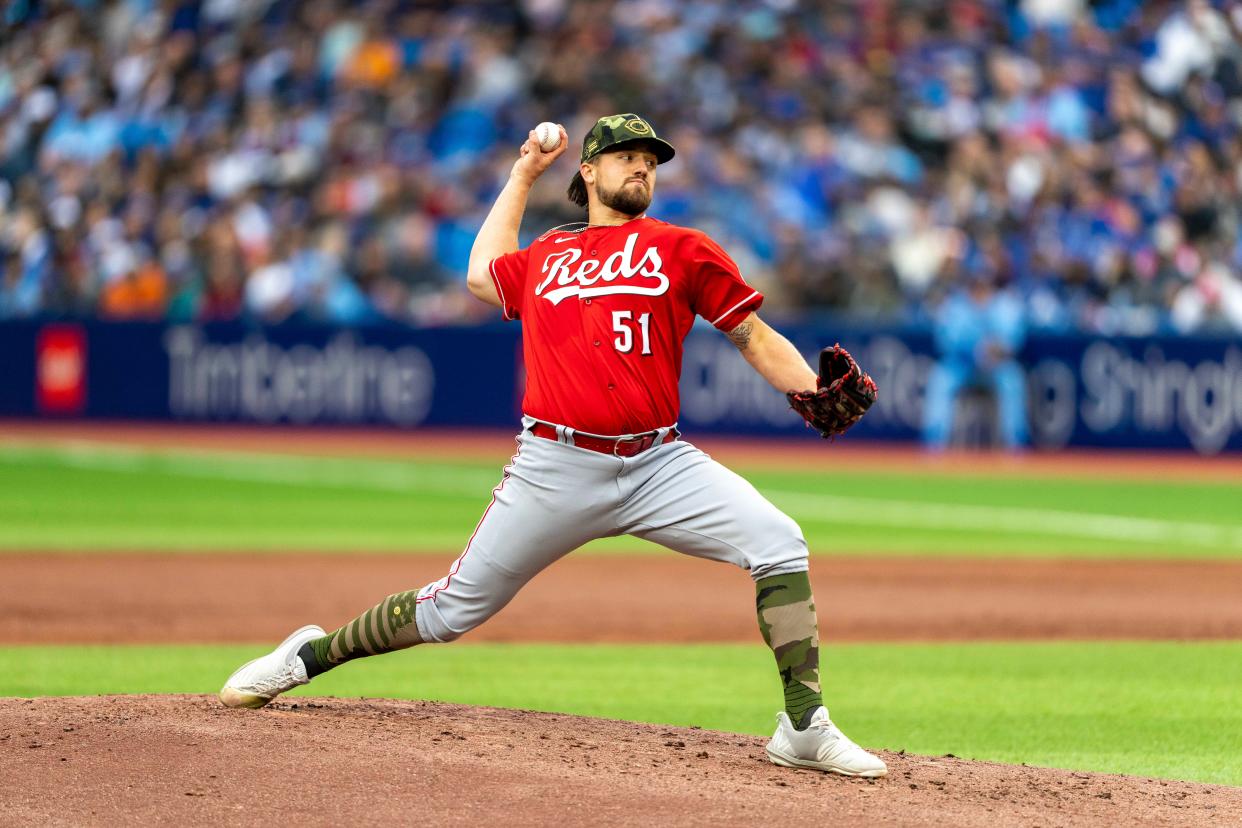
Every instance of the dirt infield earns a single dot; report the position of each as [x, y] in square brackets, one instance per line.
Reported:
[184, 760]
[605, 598]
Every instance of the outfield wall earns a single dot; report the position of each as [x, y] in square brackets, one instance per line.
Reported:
[1175, 393]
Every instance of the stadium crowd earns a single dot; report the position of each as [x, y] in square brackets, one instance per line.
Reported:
[273, 159]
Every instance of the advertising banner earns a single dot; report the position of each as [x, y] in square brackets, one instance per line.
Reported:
[1169, 393]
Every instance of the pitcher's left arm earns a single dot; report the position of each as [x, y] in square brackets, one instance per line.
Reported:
[830, 401]
[772, 355]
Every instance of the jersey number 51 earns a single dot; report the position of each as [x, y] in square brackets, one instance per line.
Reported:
[623, 324]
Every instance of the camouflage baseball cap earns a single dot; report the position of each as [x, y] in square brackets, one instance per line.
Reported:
[621, 129]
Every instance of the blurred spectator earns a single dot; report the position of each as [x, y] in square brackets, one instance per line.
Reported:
[331, 160]
[979, 330]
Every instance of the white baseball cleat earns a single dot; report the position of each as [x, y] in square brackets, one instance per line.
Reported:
[821, 746]
[257, 682]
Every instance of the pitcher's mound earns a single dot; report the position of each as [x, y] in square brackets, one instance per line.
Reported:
[184, 760]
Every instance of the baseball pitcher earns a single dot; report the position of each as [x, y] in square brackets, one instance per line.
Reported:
[605, 307]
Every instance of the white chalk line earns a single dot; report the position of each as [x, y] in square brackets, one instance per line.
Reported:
[1007, 519]
[409, 478]
[287, 470]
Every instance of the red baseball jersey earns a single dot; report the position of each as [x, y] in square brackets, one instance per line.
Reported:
[605, 311]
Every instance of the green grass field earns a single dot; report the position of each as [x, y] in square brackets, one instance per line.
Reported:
[1150, 709]
[1159, 709]
[88, 497]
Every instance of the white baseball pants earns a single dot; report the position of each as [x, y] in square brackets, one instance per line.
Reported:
[555, 497]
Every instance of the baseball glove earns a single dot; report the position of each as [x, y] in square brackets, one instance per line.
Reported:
[844, 394]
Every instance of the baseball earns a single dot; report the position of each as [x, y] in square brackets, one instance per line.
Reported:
[549, 135]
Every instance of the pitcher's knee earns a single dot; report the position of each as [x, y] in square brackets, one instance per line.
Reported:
[783, 552]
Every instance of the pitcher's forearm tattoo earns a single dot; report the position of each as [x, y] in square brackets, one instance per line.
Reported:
[741, 335]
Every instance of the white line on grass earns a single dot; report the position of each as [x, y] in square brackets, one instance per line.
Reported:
[1006, 519]
[392, 476]
[287, 470]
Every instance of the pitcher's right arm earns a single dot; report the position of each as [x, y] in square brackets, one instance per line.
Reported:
[499, 233]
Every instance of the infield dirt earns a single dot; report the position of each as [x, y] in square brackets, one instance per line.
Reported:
[203, 598]
[185, 760]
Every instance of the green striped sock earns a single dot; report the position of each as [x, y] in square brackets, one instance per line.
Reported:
[386, 627]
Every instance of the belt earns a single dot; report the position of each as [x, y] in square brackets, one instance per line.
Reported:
[619, 447]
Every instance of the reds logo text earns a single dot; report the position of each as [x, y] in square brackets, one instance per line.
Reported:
[591, 277]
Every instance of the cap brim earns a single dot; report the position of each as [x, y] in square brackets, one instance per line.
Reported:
[662, 149]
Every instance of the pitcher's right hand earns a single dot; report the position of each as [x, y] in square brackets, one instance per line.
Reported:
[534, 161]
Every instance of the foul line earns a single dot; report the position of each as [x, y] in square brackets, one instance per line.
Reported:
[286, 470]
[1006, 519]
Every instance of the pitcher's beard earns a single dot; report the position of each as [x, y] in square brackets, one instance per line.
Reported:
[626, 201]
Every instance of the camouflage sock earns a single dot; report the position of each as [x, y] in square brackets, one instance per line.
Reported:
[387, 626]
[787, 620]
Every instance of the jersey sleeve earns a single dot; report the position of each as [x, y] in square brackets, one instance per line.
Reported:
[509, 275]
[721, 296]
